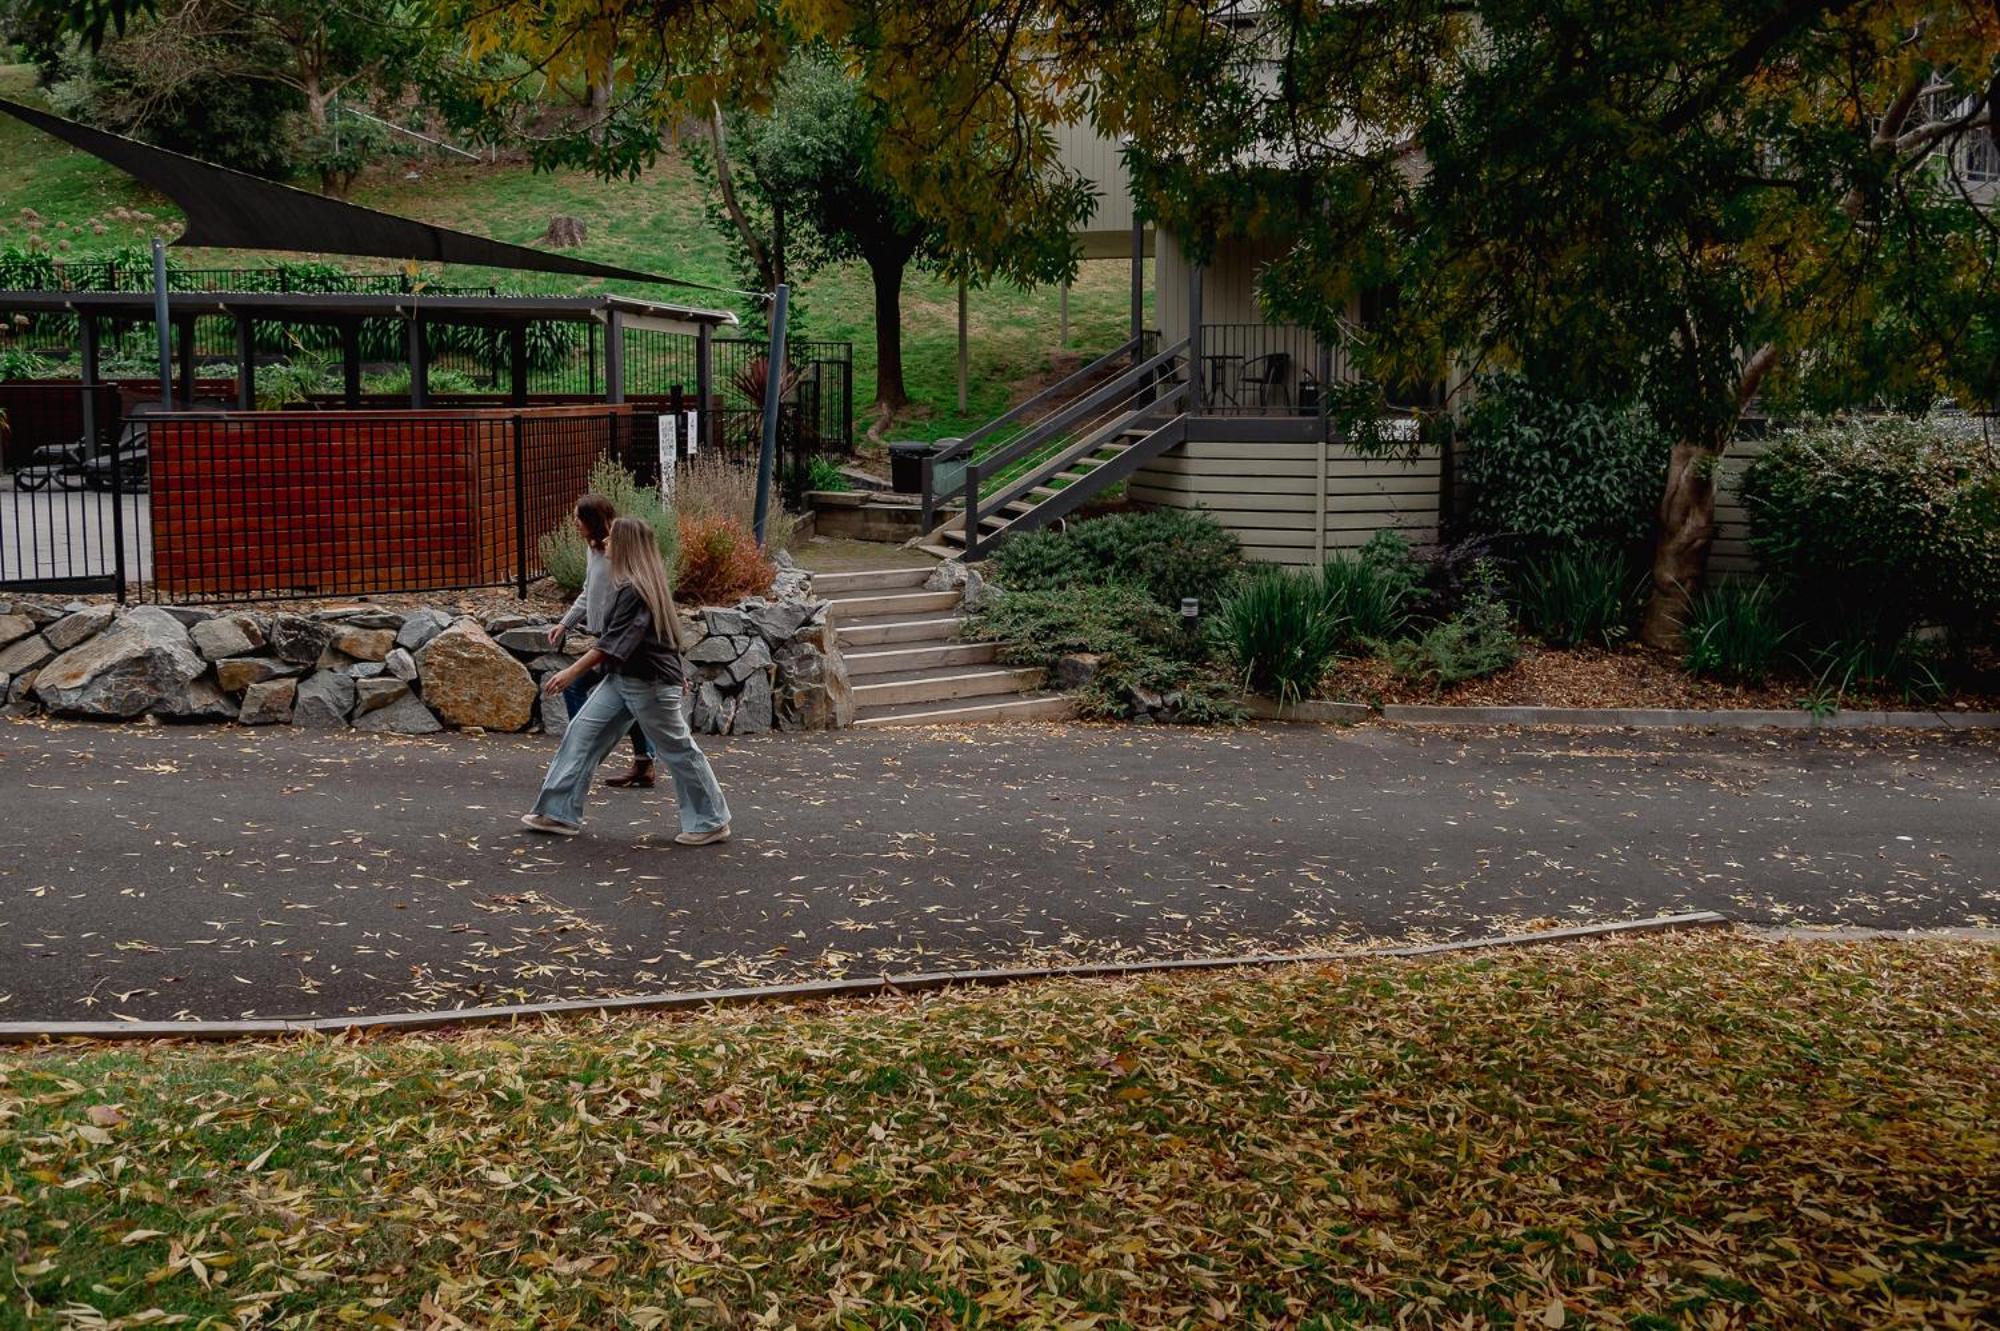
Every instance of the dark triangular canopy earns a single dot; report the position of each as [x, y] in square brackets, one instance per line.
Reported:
[232, 210]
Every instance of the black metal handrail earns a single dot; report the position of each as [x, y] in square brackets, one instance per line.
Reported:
[1018, 412]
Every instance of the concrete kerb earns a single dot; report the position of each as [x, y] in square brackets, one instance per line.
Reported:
[28, 1032]
[1641, 718]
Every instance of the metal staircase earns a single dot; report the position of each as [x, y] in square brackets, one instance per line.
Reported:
[1058, 450]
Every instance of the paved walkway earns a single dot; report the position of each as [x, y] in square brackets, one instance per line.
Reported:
[219, 872]
[57, 533]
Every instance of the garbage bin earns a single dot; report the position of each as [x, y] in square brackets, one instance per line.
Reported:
[906, 465]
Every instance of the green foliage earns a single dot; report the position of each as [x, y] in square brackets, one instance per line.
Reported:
[279, 386]
[1170, 554]
[1281, 632]
[1476, 641]
[824, 474]
[1736, 631]
[20, 363]
[1139, 644]
[564, 552]
[1868, 661]
[1372, 594]
[1571, 596]
[1547, 470]
[1900, 517]
[443, 381]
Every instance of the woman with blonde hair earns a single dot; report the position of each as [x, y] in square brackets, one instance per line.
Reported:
[640, 654]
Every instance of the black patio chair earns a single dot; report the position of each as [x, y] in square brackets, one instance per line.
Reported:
[1271, 376]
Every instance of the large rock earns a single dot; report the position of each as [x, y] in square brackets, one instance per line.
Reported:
[756, 660]
[526, 640]
[20, 657]
[810, 687]
[14, 627]
[421, 627]
[39, 611]
[240, 672]
[471, 680]
[376, 619]
[324, 700]
[372, 695]
[299, 640]
[189, 615]
[753, 707]
[405, 716]
[73, 630]
[203, 702]
[779, 620]
[708, 713]
[363, 644]
[730, 623]
[718, 650]
[218, 639]
[142, 663]
[401, 664]
[255, 627]
[268, 703]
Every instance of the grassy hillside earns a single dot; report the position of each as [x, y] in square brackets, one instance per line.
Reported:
[655, 224]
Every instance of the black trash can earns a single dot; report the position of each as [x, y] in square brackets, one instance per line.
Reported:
[906, 465]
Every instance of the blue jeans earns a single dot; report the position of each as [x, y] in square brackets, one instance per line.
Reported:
[593, 733]
[573, 700]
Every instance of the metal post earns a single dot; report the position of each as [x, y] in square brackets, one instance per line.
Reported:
[1195, 385]
[350, 363]
[1138, 290]
[517, 356]
[774, 375]
[246, 363]
[164, 324]
[704, 381]
[420, 363]
[614, 356]
[520, 514]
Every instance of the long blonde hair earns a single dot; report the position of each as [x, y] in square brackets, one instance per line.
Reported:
[635, 561]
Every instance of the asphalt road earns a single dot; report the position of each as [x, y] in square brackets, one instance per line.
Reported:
[160, 873]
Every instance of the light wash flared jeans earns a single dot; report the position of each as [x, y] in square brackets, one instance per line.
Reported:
[594, 731]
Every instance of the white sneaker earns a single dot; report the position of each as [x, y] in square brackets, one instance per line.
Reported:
[541, 822]
[707, 838]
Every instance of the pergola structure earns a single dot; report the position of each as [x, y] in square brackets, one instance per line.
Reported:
[510, 315]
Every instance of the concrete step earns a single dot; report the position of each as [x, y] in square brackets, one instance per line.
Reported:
[887, 632]
[902, 605]
[927, 656]
[862, 581]
[943, 686]
[1033, 707]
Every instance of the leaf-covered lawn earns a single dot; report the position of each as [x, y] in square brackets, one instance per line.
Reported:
[1697, 1131]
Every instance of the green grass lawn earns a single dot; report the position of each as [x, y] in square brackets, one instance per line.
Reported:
[1696, 1131]
[655, 224]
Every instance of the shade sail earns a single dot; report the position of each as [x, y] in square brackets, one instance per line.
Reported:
[229, 209]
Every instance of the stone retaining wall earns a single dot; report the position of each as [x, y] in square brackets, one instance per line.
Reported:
[770, 663]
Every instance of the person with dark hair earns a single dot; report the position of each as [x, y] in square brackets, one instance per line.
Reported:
[592, 608]
[640, 653]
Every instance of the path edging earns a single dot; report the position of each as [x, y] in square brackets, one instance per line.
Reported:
[1438, 714]
[28, 1032]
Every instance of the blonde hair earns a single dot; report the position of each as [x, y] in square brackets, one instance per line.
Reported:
[635, 561]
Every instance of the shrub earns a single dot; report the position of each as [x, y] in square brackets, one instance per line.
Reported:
[1547, 470]
[720, 562]
[563, 551]
[19, 363]
[824, 474]
[1868, 661]
[1138, 643]
[1281, 632]
[1170, 554]
[711, 486]
[1576, 595]
[1902, 517]
[280, 386]
[1735, 632]
[1372, 592]
[1476, 641]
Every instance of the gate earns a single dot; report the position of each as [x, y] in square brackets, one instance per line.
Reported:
[73, 517]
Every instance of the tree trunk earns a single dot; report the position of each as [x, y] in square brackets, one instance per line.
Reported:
[888, 274]
[1680, 555]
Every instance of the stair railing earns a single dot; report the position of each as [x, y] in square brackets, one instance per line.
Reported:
[1133, 392]
[949, 460]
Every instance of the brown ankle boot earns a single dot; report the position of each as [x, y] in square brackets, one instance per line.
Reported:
[639, 778]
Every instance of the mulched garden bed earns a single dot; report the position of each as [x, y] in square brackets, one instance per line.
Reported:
[1627, 676]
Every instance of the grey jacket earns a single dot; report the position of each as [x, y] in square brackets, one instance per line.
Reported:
[593, 604]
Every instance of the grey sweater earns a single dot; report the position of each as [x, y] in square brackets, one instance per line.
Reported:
[593, 603]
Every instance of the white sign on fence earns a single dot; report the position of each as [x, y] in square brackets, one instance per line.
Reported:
[669, 455]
